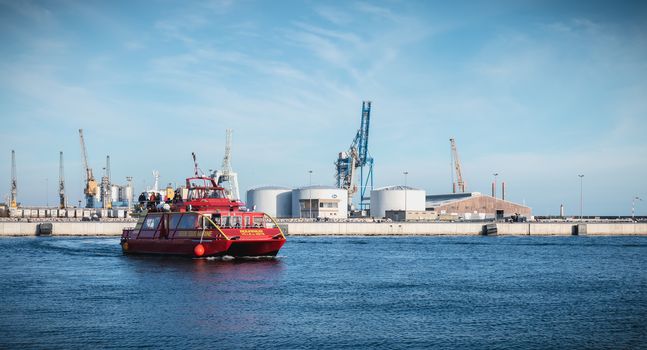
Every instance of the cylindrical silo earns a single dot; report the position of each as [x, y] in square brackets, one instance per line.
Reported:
[114, 193]
[320, 202]
[273, 200]
[393, 198]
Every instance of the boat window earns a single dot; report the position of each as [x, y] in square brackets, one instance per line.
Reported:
[247, 220]
[224, 221]
[175, 218]
[209, 224]
[196, 193]
[216, 219]
[151, 222]
[258, 221]
[188, 222]
[139, 224]
[216, 194]
[236, 221]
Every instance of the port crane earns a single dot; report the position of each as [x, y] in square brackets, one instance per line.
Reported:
[357, 157]
[61, 183]
[14, 182]
[106, 195]
[456, 164]
[91, 187]
[227, 173]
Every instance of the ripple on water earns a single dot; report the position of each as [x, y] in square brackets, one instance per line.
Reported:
[331, 293]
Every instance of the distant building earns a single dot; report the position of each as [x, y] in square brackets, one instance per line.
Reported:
[396, 198]
[320, 202]
[275, 201]
[474, 206]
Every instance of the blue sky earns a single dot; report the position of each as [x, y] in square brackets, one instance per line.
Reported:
[537, 91]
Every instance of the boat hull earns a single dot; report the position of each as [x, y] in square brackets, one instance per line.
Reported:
[211, 248]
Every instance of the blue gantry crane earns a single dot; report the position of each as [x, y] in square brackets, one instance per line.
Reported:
[357, 157]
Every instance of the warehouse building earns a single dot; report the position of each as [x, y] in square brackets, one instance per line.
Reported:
[474, 206]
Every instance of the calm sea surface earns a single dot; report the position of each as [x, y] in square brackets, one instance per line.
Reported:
[334, 293]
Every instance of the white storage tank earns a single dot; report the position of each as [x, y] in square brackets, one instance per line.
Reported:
[274, 200]
[393, 198]
[114, 193]
[320, 202]
[125, 193]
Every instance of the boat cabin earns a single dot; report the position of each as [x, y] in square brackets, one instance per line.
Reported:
[191, 224]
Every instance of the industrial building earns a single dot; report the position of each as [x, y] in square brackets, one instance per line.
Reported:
[275, 201]
[396, 198]
[474, 206]
[320, 202]
[305, 202]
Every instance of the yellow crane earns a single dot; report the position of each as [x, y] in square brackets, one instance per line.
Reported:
[457, 167]
[91, 187]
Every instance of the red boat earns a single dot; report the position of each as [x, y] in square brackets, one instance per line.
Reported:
[202, 223]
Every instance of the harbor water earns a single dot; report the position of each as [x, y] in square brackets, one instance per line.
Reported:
[329, 293]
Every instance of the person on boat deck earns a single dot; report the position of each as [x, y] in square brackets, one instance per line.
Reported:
[151, 200]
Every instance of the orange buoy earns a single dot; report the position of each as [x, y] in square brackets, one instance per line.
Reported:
[198, 250]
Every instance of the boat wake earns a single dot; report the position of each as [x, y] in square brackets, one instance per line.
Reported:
[243, 258]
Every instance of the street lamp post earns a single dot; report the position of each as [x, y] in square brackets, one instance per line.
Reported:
[405, 194]
[581, 196]
[310, 194]
[633, 207]
[47, 191]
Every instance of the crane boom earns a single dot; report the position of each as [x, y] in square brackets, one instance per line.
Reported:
[356, 157]
[226, 160]
[84, 157]
[108, 168]
[91, 189]
[106, 196]
[227, 173]
[61, 183]
[457, 166]
[14, 181]
[362, 133]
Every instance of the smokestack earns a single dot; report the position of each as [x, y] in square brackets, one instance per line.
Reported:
[493, 190]
[503, 190]
[454, 187]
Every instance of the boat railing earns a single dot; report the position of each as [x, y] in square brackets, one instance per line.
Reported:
[276, 224]
[206, 219]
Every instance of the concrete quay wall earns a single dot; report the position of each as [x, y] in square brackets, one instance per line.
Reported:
[536, 228]
[380, 229]
[65, 228]
[354, 229]
[460, 228]
[605, 229]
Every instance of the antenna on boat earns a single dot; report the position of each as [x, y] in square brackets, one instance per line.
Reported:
[195, 164]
